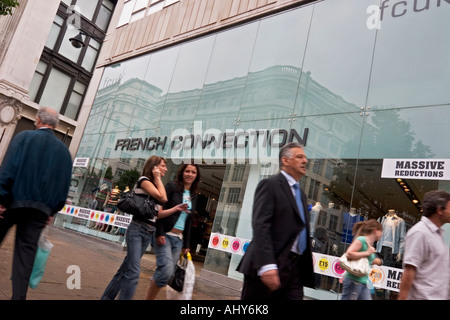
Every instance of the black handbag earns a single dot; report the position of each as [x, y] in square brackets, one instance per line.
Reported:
[176, 282]
[138, 203]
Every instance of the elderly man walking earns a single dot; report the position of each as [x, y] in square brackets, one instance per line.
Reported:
[34, 181]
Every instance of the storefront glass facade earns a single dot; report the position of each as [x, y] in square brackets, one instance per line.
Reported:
[357, 86]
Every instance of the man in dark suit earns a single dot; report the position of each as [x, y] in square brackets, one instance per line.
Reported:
[34, 182]
[278, 262]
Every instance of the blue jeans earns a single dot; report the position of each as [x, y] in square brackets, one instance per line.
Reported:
[355, 290]
[166, 257]
[138, 236]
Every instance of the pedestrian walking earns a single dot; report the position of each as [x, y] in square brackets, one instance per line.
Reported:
[366, 233]
[426, 272]
[139, 234]
[173, 233]
[34, 182]
[278, 262]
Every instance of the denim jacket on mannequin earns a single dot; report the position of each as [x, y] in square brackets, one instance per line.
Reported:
[398, 234]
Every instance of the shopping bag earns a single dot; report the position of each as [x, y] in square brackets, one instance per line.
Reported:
[42, 254]
[186, 275]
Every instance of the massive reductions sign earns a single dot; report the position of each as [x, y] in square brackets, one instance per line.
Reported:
[215, 146]
[425, 169]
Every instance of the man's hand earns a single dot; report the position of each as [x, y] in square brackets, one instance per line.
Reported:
[271, 279]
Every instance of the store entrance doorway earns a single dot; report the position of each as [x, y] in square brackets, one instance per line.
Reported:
[209, 190]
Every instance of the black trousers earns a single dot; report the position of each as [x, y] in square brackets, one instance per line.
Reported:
[29, 224]
[291, 283]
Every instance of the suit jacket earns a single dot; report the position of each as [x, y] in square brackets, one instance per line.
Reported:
[276, 224]
[175, 197]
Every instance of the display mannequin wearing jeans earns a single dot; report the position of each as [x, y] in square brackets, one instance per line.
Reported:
[139, 234]
[173, 233]
[367, 232]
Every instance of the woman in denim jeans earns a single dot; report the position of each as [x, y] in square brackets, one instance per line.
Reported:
[367, 232]
[139, 234]
[173, 232]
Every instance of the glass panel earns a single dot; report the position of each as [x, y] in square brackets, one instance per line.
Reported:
[103, 17]
[126, 13]
[54, 32]
[226, 77]
[411, 64]
[125, 114]
[79, 87]
[337, 59]
[186, 86]
[75, 100]
[55, 90]
[34, 86]
[108, 4]
[37, 79]
[155, 7]
[140, 4]
[73, 105]
[137, 15]
[407, 133]
[275, 69]
[90, 58]
[99, 116]
[155, 91]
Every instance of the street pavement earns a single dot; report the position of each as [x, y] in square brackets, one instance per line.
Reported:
[98, 261]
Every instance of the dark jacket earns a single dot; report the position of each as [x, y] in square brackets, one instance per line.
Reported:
[175, 197]
[276, 223]
[36, 172]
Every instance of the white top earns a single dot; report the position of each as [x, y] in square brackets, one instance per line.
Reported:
[426, 250]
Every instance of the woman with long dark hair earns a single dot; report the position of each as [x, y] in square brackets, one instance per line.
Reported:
[173, 232]
[139, 233]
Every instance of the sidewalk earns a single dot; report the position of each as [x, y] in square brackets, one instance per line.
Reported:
[98, 261]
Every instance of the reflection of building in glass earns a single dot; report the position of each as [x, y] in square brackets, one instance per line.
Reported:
[132, 110]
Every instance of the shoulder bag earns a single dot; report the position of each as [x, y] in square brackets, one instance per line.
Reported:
[358, 268]
[139, 203]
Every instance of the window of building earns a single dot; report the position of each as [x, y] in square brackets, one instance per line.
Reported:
[75, 100]
[91, 55]
[104, 15]
[134, 10]
[63, 72]
[37, 79]
[57, 85]
[57, 25]
[233, 195]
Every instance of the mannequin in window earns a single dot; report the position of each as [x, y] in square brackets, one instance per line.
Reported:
[349, 220]
[391, 245]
